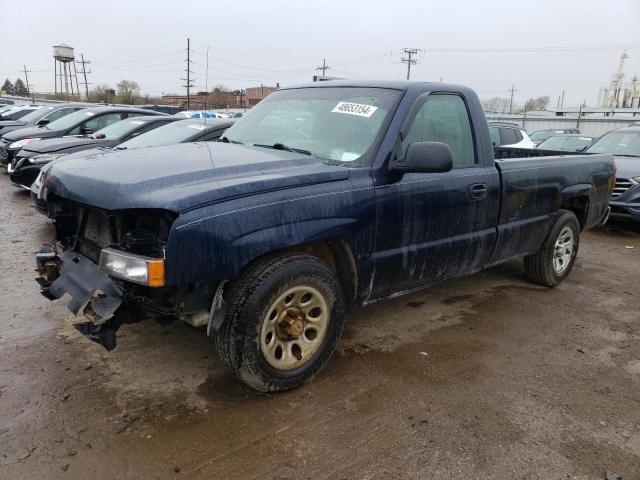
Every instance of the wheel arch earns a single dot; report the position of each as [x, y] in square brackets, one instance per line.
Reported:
[576, 200]
[335, 252]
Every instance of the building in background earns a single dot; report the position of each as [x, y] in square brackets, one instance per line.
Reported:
[221, 99]
[621, 94]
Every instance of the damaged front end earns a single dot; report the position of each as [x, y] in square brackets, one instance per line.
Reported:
[95, 298]
[110, 263]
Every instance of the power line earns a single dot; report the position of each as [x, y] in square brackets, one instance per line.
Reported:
[513, 89]
[409, 60]
[26, 78]
[324, 66]
[189, 85]
[84, 74]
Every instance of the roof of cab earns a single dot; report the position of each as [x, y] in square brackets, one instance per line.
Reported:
[392, 84]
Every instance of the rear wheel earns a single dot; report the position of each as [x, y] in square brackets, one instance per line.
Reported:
[553, 261]
[285, 316]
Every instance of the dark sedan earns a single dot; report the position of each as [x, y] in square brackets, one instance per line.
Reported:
[28, 162]
[181, 131]
[82, 122]
[16, 112]
[41, 116]
[624, 144]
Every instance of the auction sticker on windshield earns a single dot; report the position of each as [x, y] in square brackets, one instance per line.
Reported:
[358, 109]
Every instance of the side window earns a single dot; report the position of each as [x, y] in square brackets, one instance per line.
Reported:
[98, 122]
[444, 118]
[145, 128]
[59, 114]
[518, 135]
[508, 136]
[214, 135]
[495, 136]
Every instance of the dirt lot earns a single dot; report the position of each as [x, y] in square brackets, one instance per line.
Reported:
[484, 377]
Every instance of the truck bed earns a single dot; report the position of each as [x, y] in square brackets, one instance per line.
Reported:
[534, 188]
[502, 153]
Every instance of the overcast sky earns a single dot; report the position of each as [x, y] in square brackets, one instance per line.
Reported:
[252, 42]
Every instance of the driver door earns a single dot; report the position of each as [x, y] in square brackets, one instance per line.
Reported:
[435, 226]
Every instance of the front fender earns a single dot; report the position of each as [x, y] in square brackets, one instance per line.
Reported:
[216, 242]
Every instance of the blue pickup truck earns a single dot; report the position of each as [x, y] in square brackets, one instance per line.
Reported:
[321, 199]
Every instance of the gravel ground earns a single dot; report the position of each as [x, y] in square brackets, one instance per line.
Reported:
[484, 377]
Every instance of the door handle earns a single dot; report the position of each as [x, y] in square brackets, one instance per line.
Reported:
[479, 191]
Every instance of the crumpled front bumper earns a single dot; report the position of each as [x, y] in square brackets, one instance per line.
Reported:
[95, 298]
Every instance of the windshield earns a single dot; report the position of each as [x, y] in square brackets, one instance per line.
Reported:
[176, 132]
[338, 124]
[37, 114]
[542, 134]
[71, 120]
[618, 143]
[118, 130]
[565, 143]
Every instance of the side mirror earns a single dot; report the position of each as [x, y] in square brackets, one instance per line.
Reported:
[42, 122]
[426, 157]
[86, 131]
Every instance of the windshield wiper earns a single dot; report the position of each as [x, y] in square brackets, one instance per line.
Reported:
[226, 139]
[282, 146]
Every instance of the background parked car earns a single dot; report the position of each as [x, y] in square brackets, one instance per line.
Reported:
[26, 165]
[509, 135]
[82, 122]
[566, 143]
[203, 114]
[541, 135]
[14, 113]
[624, 144]
[41, 116]
[181, 131]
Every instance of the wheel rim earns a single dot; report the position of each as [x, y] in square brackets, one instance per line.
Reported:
[294, 328]
[563, 250]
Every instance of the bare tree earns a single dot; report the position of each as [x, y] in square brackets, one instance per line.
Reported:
[539, 103]
[102, 93]
[128, 91]
[496, 105]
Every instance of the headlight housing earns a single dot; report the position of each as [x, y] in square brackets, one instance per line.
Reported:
[46, 158]
[22, 143]
[134, 268]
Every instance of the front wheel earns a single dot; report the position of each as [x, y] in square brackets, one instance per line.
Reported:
[553, 261]
[285, 316]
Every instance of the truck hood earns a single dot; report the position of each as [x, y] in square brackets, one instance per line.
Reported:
[627, 167]
[184, 176]
[31, 132]
[53, 145]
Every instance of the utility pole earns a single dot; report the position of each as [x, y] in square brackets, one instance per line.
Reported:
[189, 72]
[562, 100]
[513, 89]
[324, 66]
[409, 60]
[26, 79]
[84, 73]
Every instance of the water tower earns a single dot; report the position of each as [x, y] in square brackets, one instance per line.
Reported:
[63, 61]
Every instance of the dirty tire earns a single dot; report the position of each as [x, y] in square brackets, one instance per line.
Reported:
[539, 267]
[249, 300]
